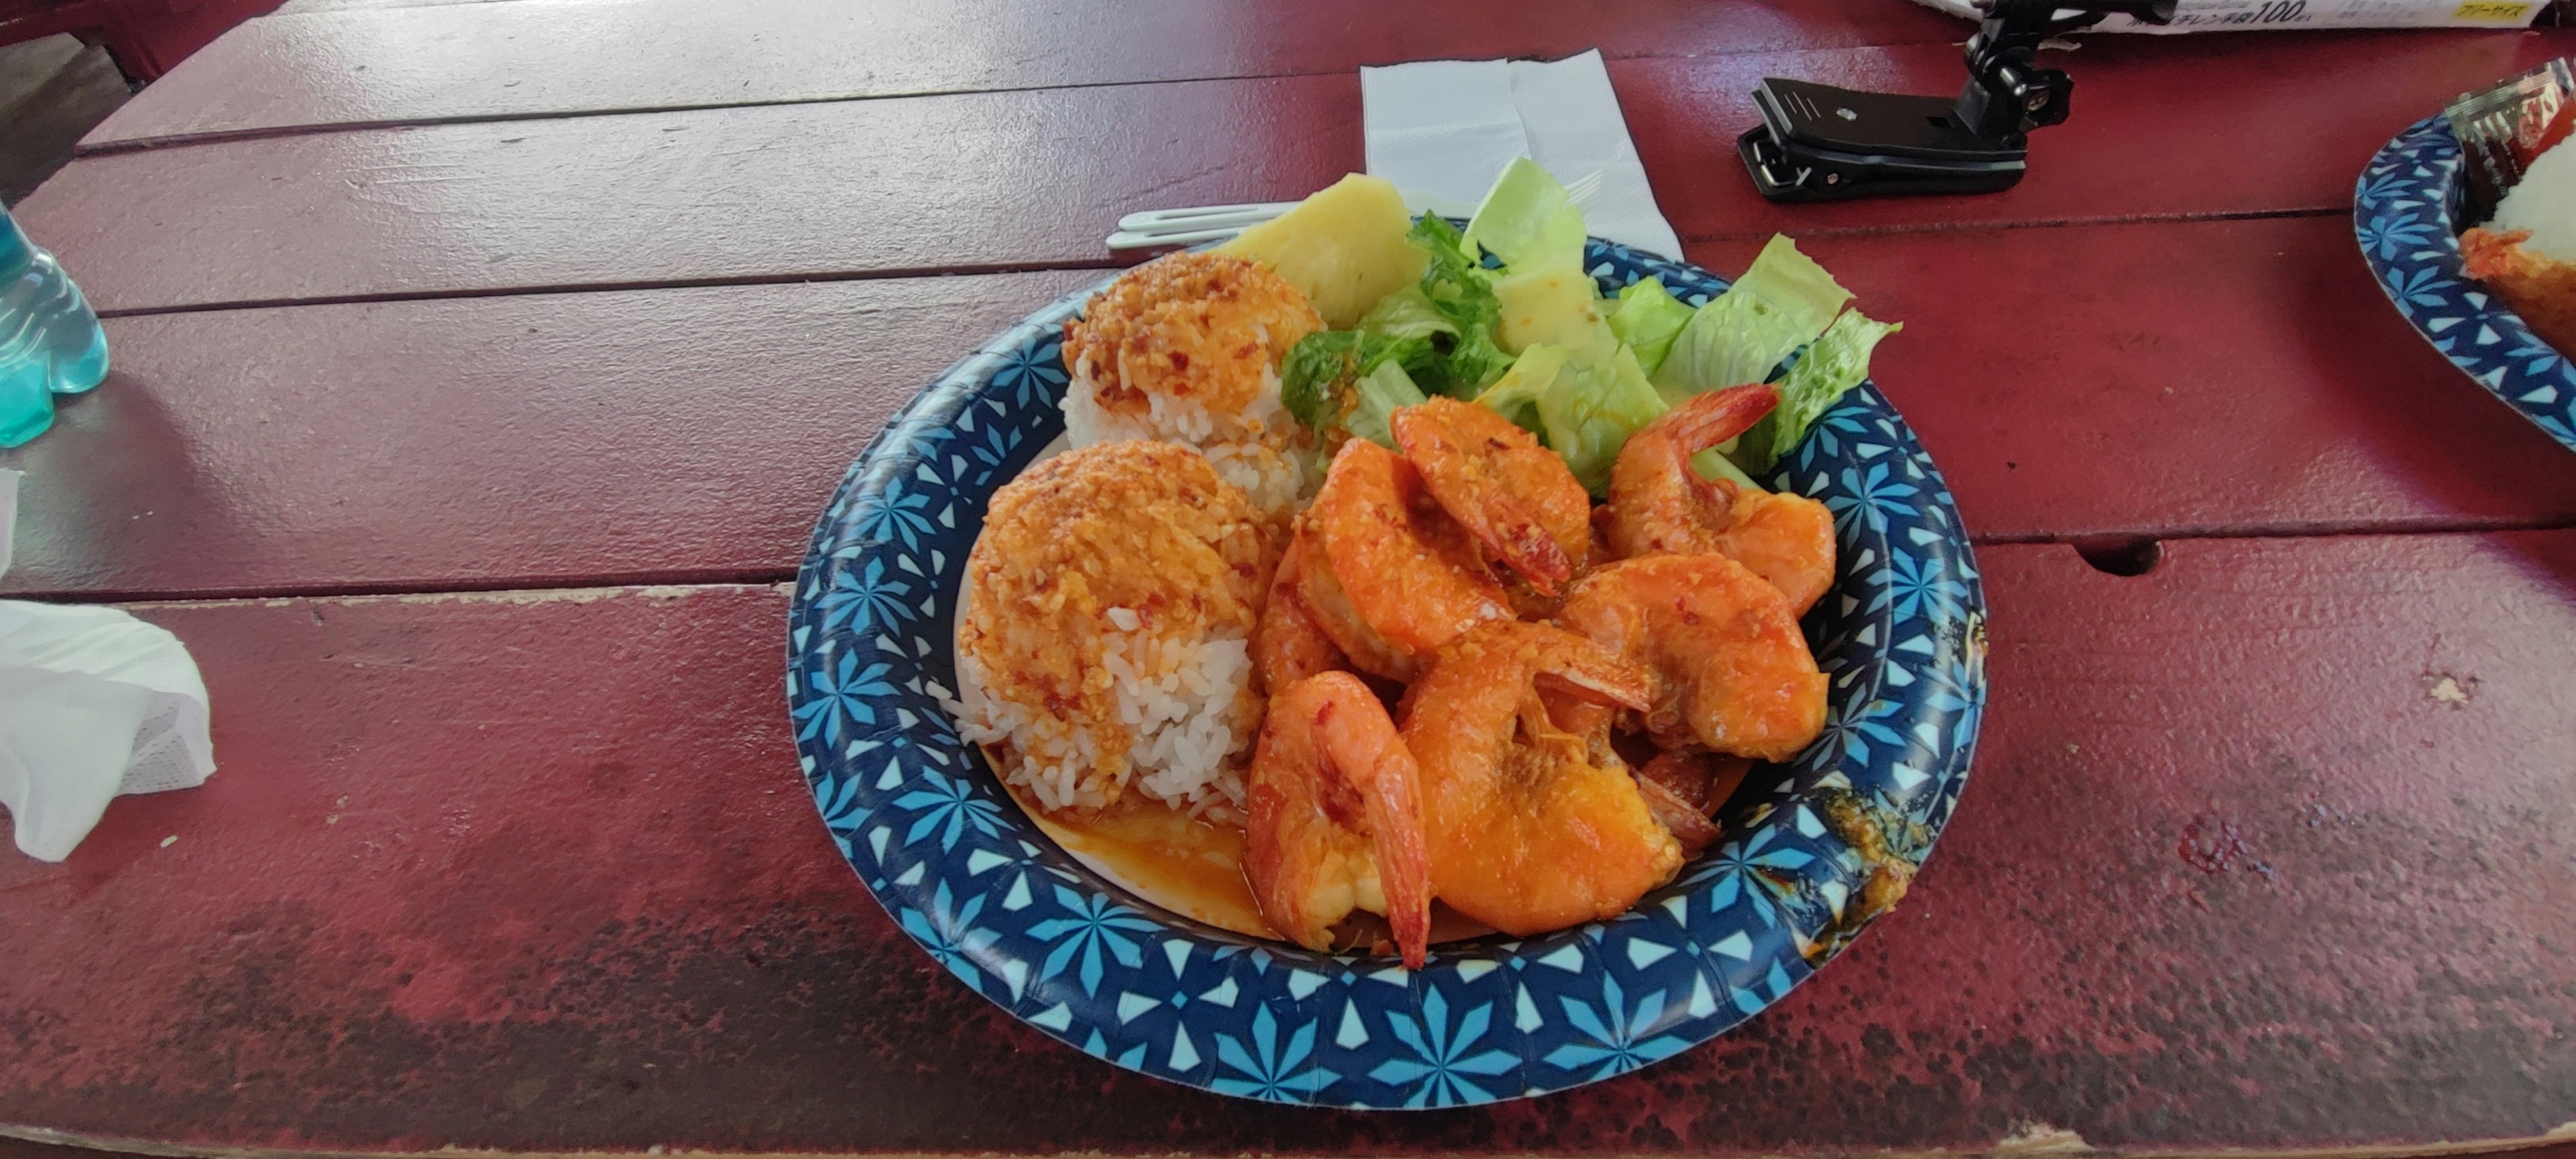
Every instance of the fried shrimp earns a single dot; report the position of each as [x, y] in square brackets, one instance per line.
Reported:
[1682, 787]
[1384, 572]
[1288, 646]
[1514, 496]
[1658, 504]
[1336, 817]
[1529, 829]
[1731, 670]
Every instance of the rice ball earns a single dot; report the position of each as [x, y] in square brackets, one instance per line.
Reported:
[1187, 348]
[1105, 645]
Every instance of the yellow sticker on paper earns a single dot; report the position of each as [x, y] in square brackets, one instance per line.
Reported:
[2490, 10]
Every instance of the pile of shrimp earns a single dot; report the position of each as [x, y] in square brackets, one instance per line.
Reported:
[1574, 689]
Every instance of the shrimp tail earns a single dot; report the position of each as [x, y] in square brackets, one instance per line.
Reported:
[1712, 418]
[1403, 859]
[1590, 674]
[1514, 535]
[1365, 750]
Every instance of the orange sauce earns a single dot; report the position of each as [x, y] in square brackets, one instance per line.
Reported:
[1183, 864]
[1195, 869]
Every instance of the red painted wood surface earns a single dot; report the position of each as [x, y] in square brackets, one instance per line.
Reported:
[2179, 378]
[2168, 127]
[145, 37]
[452, 62]
[668, 436]
[2270, 847]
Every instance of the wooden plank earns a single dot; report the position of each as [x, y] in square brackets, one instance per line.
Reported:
[297, 7]
[2221, 377]
[2175, 127]
[2161, 379]
[1017, 178]
[534, 871]
[458, 62]
[671, 435]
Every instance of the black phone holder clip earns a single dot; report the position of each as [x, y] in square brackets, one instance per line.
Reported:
[1821, 143]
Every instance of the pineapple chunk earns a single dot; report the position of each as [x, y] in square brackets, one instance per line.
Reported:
[1344, 246]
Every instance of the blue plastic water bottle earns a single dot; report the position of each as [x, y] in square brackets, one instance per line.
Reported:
[50, 340]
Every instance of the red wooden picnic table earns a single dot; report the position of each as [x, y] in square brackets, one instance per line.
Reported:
[481, 368]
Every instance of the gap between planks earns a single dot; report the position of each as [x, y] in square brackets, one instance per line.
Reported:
[678, 585]
[267, 132]
[1108, 263]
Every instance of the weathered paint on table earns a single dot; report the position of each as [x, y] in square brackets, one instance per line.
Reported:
[2141, 371]
[442, 62]
[845, 189]
[2216, 887]
[2269, 847]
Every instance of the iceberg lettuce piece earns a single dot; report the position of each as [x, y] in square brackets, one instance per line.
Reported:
[1783, 301]
[1648, 318]
[1556, 305]
[1374, 399]
[1526, 220]
[1582, 402]
[1408, 313]
[1831, 366]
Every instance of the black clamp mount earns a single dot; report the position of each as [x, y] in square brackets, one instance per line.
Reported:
[1821, 143]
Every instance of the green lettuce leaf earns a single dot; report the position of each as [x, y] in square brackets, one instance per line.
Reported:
[1374, 399]
[1558, 305]
[1408, 313]
[1525, 220]
[1648, 319]
[1582, 402]
[1515, 395]
[1463, 292]
[1322, 370]
[1783, 301]
[1832, 365]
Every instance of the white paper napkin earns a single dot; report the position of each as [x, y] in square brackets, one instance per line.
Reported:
[93, 703]
[1442, 130]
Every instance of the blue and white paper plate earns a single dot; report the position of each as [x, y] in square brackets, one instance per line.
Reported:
[949, 853]
[2405, 213]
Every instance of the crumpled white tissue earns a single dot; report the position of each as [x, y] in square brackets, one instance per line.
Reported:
[93, 703]
[1442, 130]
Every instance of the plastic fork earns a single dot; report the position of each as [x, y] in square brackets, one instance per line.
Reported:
[1160, 227]
[1155, 228]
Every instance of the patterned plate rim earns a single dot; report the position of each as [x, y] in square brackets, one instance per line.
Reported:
[927, 828]
[2404, 210]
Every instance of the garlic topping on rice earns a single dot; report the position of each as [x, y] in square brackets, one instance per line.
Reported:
[1106, 638]
[1187, 348]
